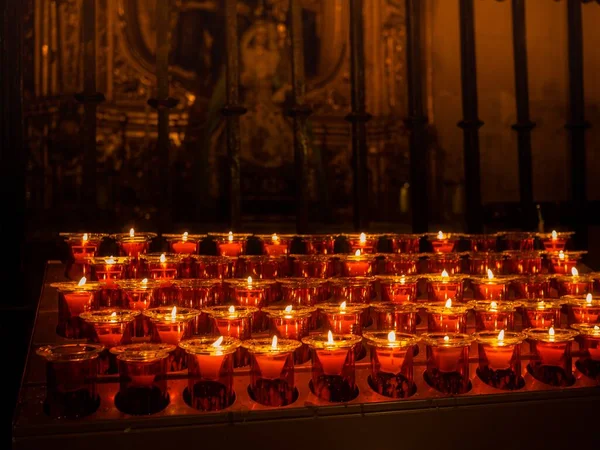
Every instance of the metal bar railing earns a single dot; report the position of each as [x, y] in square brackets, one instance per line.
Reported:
[470, 123]
[417, 118]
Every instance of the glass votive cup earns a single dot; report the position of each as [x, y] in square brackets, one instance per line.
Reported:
[366, 243]
[342, 318]
[230, 244]
[522, 262]
[447, 368]
[185, 243]
[532, 287]
[142, 378]
[562, 263]
[391, 362]
[210, 372]
[550, 360]
[447, 317]
[74, 298]
[500, 359]
[135, 244]
[481, 262]
[333, 366]
[198, 293]
[589, 345]
[82, 246]
[108, 270]
[519, 241]
[276, 244]
[574, 284]
[444, 242]
[254, 293]
[212, 267]
[312, 266]
[401, 264]
[405, 243]
[352, 289]
[139, 295]
[400, 317]
[236, 322]
[261, 267]
[483, 242]
[313, 244]
[541, 313]
[303, 291]
[495, 288]
[398, 289]
[494, 316]
[292, 322]
[71, 374]
[162, 266]
[272, 370]
[360, 265]
[442, 288]
[555, 241]
[439, 262]
[582, 308]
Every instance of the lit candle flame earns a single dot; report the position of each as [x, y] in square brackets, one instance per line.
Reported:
[145, 281]
[249, 281]
[85, 237]
[218, 342]
[163, 258]
[403, 280]
[493, 305]
[275, 238]
[446, 338]
[444, 273]
[110, 260]
[440, 235]
[82, 281]
[230, 237]
[330, 337]
[184, 237]
[501, 336]
[588, 299]
[274, 343]
[490, 274]
[343, 306]
[362, 238]
[448, 303]
[113, 316]
[174, 313]
[554, 235]
[574, 272]
[131, 232]
[231, 309]
[561, 255]
[357, 252]
[551, 333]
[288, 309]
[392, 336]
[596, 328]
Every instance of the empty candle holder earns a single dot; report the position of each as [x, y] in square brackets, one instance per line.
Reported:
[400, 264]
[589, 344]
[550, 360]
[303, 291]
[333, 366]
[313, 244]
[356, 265]
[398, 289]
[365, 243]
[405, 243]
[447, 369]
[500, 359]
[563, 262]
[400, 317]
[522, 262]
[230, 244]
[185, 243]
[312, 266]
[555, 241]
[532, 287]
[352, 289]
[82, 246]
[574, 284]
[199, 294]
[447, 317]
[483, 243]
[71, 373]
[444, 242]
[582, 308]
[292, 322]
[443, 287]
[491, 287]
[233, 321]
[541, 313]
[75, 298]
[451, 263]
[391, 362]
[272, 370]
[261, 267]
[491, 315]
[142, 378]
[519, 241]
[212, 267]
[253, 293]
[139, 295]
[171, 326]
[481, 262]
[210, 372]
[276, 244]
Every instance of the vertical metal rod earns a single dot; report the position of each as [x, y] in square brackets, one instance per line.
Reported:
[299, 112]
[417, 118]
[358, 117]
[576, 124]
[524, 125]
[470, 123]
[232, 112]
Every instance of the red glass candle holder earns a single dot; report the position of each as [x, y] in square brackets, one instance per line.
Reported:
[357, 265]
[541, 313]
[312, 266]
[366, 243]
[162, 266]
[481, 262]
[448, 362]
[519, 241]
[142, 378]
[199, 294]
[402, 318]
[494, 316]
[444, 242]
[500, 359]
[589, 344]
[483, 243]
[405, 243]
[303, 291]
[254, 293]
[316, 244]
[574, 284]
[292, 322]
[83, 246]
[108, 270]
[230, 244]
[401, 264]
[71, 373]
[532, 287]
[451, 263]
[184, 244]
[139, 295]
[447, 317]
[333, 366]
[171, 326]
[272, 370]
[555, 241]
[391, 362]
[343, 318]
[522, 262]
[233, 321]
[398, 289]
[352, 289]
[550, 360]
[74, 298]
[582, 308]
[441, 288]
[491, 287]
[210, 372]
[133, 244]
[276, 244]
[562, 263]
[212, 267]
[261, 267]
